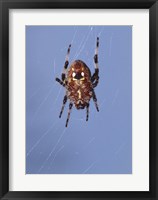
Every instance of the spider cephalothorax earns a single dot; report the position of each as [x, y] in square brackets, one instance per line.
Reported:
[79, 83]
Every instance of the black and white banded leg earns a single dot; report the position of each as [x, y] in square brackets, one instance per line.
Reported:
[95, 77]
[64, 102]
[95, 100]
[68, 117]
[87, 111]
[63, 76]
[62, 81]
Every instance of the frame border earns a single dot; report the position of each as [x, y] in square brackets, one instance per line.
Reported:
[5, 5]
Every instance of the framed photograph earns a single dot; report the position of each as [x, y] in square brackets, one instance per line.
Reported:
[78, 99]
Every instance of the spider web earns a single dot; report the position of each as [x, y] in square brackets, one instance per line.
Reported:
[57, 147]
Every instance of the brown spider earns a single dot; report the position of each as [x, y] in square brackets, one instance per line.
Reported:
[79, 84]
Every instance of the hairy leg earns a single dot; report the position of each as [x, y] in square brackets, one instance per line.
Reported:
[95, 76]
[59, 81]
[95, 101]
[87, 111]
[68, 117]
[64, 102]
[66, 63]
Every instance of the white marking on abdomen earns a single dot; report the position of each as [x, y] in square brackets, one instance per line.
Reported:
[79, 94]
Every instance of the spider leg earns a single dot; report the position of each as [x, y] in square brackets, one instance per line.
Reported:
[61, 82]
[66, 63]
[95, 76]
[68, 117]
[95, 100]
[96, 82]
[64, 102]
[87, 110]
[63, 76]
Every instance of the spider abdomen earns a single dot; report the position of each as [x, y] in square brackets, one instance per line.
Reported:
[79, 93]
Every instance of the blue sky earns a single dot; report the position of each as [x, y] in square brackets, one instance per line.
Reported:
[103, 145]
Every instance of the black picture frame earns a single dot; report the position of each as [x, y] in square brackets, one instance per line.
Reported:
[5, 5]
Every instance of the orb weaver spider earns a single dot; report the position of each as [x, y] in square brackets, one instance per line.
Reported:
[79, 84]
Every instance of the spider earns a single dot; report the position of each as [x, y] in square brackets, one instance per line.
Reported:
[79, 84]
